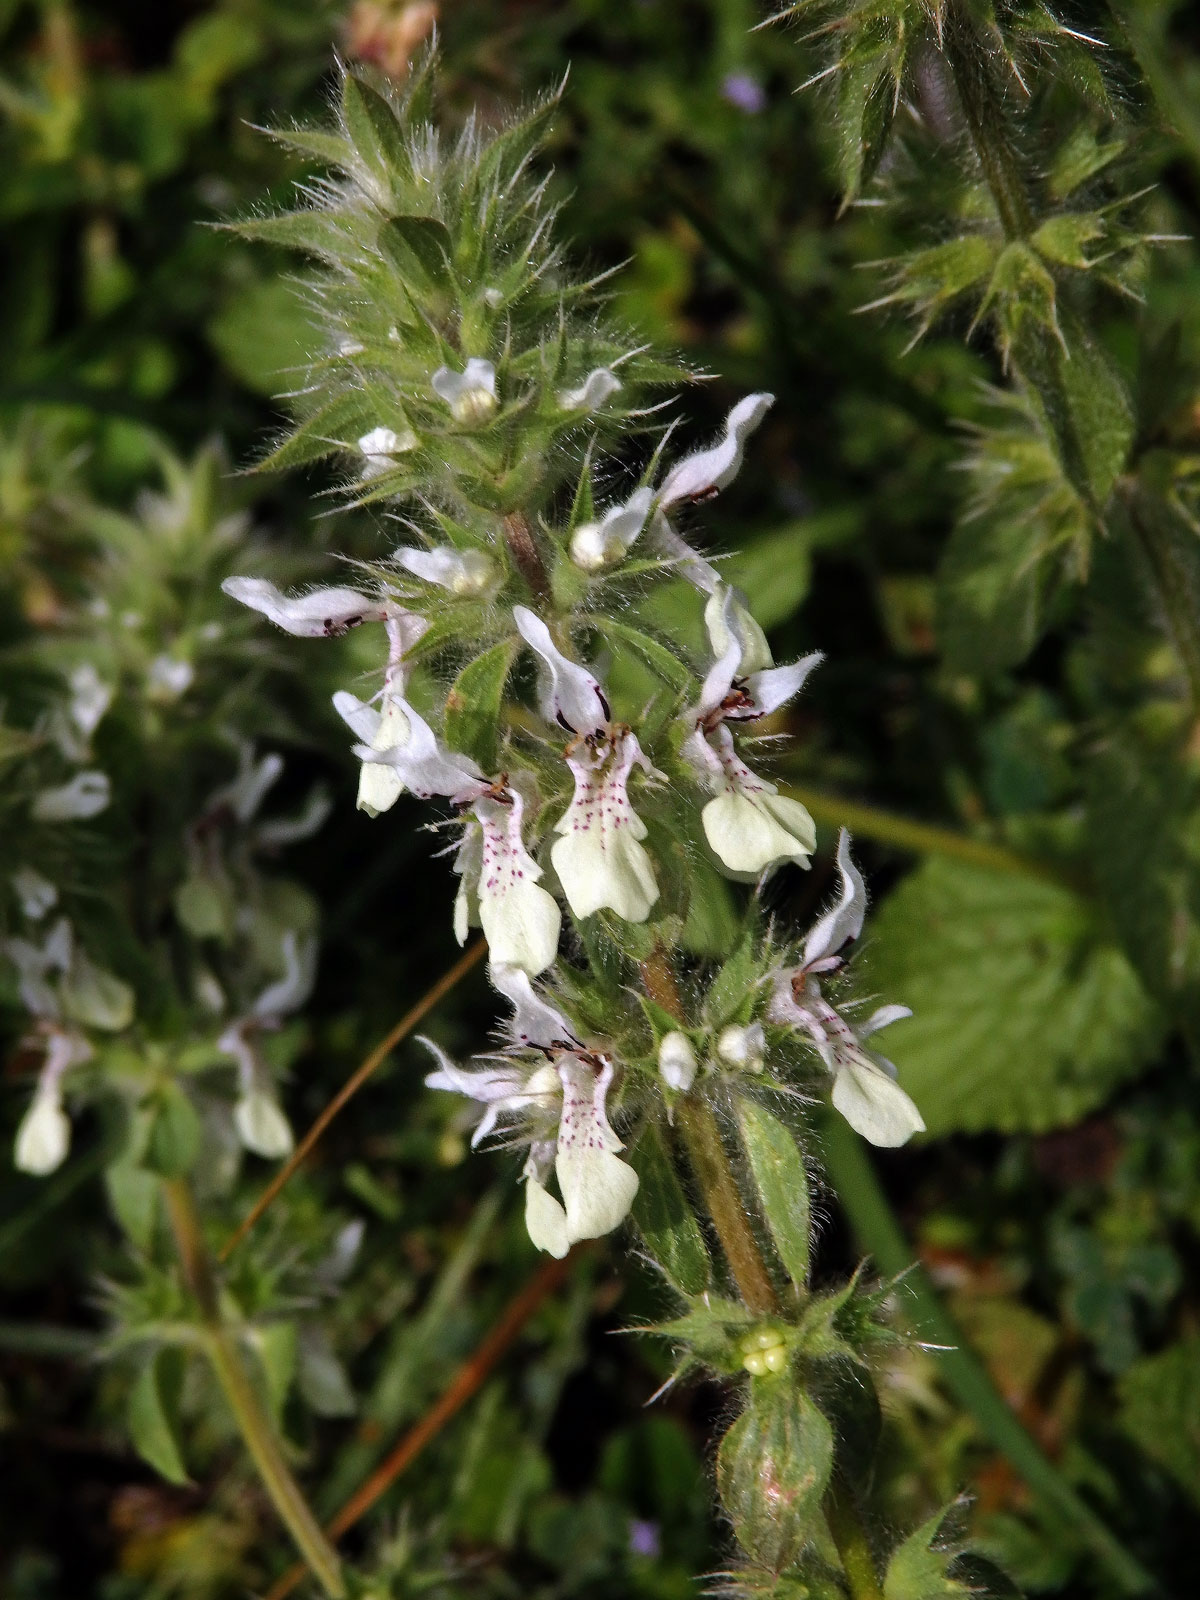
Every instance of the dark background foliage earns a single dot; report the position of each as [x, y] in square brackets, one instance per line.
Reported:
[1057, 1200]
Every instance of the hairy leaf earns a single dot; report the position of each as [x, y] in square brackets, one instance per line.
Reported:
[1026, 1015]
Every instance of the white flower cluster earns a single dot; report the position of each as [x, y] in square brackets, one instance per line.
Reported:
[549, 1088]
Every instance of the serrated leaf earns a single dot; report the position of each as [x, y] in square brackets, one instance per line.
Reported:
[665, 1218]
[1026, 1015]
[1065, 238]
[918, 1569]
[473, 704]
[154, 1414]
[779, 1174]
[1143, 801]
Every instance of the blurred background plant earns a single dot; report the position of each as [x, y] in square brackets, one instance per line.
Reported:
[1006, 720]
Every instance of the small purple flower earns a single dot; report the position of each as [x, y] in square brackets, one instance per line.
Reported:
[744, 92]
[644, 1539]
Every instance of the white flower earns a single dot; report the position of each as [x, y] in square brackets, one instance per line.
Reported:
[677, 1061]
[558, 1102]
[289, 991]
[864, 1086]
[262, 1126]
[36, 894]
[381, 446]
[379, 786]
[600, 860]
[256, 776]
[706, 472]
[596, 545]
[470, 394]
[600, 385]
[423, 765]
[463, 572]
[87, 795]
[167, 677]
[569, 695]
[499, 888]
[90, 698]
[321, 613]
[44, 1135]
[599, 856]
[258, 1118]
[742, 1047]
[750, 826]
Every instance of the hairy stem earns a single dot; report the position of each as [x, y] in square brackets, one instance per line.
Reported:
[861, 1194]
[710, 1164]
[972, 62]
[853, 1546]
[253, 1423]
[522, 546]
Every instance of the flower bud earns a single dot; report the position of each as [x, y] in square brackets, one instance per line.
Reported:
[677, 1062]
[463, 572]
[772, 1471]
[742, 1047]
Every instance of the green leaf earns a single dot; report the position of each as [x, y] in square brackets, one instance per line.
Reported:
[329, 430]
[264, 335]
[779, 1174]
[328, 148]
[1065, 238]
[473, 704]
[373, 129]
[1160, 1410]
[730, 995]
[317, 233]
[1025, 529]
[1143, 799]
[154, 1414]
[663, 662]
[275, 1346]
[1082, 400]
[665, 1218]
[773, 1468]
[934, 1563]
[1027, 1016]
[175, 1133]
[134, 1194]
[997, 580]
[420, 242]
